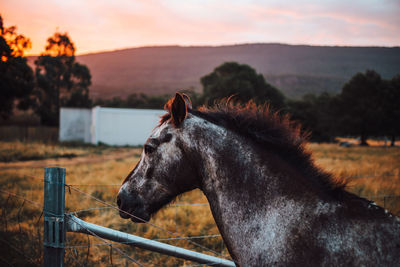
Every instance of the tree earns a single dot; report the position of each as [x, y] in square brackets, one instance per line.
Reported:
[316, 114]
[16, 77]
[391, 108]
[135, 101]
[361, 109]
[242, 81]
[60, 80]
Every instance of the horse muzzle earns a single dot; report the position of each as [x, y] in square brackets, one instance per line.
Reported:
[131, 207]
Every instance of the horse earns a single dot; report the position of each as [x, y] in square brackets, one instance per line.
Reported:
[273, 206]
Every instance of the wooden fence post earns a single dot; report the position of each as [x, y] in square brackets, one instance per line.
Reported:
[54, 226]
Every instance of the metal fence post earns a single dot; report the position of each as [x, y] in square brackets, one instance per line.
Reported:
[54, 227]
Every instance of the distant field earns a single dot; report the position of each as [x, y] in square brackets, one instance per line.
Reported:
[22, 151]
[371, 171]
[28, 133]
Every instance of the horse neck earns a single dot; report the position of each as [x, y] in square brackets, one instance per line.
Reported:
[230, 165]
[244, 186]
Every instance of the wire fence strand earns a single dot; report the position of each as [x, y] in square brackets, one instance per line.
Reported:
[22, 197]
[156, 239]
[93, 185]
[115, 248]
[117, 185]
[18, 251]
[151, 224]
[110, 206]
[89, 209]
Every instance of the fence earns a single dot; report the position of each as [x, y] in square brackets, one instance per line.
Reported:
[66, 222]
[56, 224]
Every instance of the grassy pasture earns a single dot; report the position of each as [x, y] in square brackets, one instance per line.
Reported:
[370, 171]
[22, 151]
[28, 133]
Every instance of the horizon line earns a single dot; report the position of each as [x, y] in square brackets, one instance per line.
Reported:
[218, 45]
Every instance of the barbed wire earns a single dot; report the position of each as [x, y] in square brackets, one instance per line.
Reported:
[188, 205]
[22, 197]
[33, 177]
[156, 239]
[18, 251]
[201, 264]
[187, 237]
[94, 245]
[25, 200]
[178, 236]
[30, 202]
[93, 185]
[171, 205]
[75, 260]
[102, 239]
[115, 185]
[68, 247]
[105, 243]
[151, 224]
[5, 261]
[89, 209]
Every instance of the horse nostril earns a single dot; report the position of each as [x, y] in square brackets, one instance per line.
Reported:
[119, 201]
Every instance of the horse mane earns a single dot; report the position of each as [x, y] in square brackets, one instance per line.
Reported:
[271, 131]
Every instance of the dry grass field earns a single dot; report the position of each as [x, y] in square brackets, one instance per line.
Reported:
[373, 172]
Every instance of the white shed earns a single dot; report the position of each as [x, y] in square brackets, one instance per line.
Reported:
[111, 126]
[75, 124]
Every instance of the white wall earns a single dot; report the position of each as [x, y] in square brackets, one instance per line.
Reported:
[112, 126]
[75, 124]
[117, 126]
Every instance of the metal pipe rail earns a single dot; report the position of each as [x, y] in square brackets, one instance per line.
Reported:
[74, 224]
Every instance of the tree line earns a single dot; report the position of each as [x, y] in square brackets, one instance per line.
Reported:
[367, 105]
[58, 80]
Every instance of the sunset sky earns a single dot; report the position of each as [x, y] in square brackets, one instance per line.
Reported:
[99, 25]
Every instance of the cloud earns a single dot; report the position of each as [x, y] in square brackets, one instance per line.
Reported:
[96, 25]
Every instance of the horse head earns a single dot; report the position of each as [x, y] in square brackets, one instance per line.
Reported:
[163, 171]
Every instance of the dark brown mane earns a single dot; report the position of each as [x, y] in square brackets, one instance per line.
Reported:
[257, 122]
[270, 130]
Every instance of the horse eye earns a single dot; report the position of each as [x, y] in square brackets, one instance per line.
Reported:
[149, 149]
[166, 138]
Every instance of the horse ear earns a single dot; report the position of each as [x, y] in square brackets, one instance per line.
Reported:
[178, 109]
[187, 100]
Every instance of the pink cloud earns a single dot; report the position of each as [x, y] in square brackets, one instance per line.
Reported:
[96, 25]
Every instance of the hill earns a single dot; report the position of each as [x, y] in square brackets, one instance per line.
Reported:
[295, 69]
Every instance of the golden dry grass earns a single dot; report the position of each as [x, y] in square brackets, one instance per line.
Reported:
[371, 171]
[371, 167]
[186, 221]
[22, 151]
